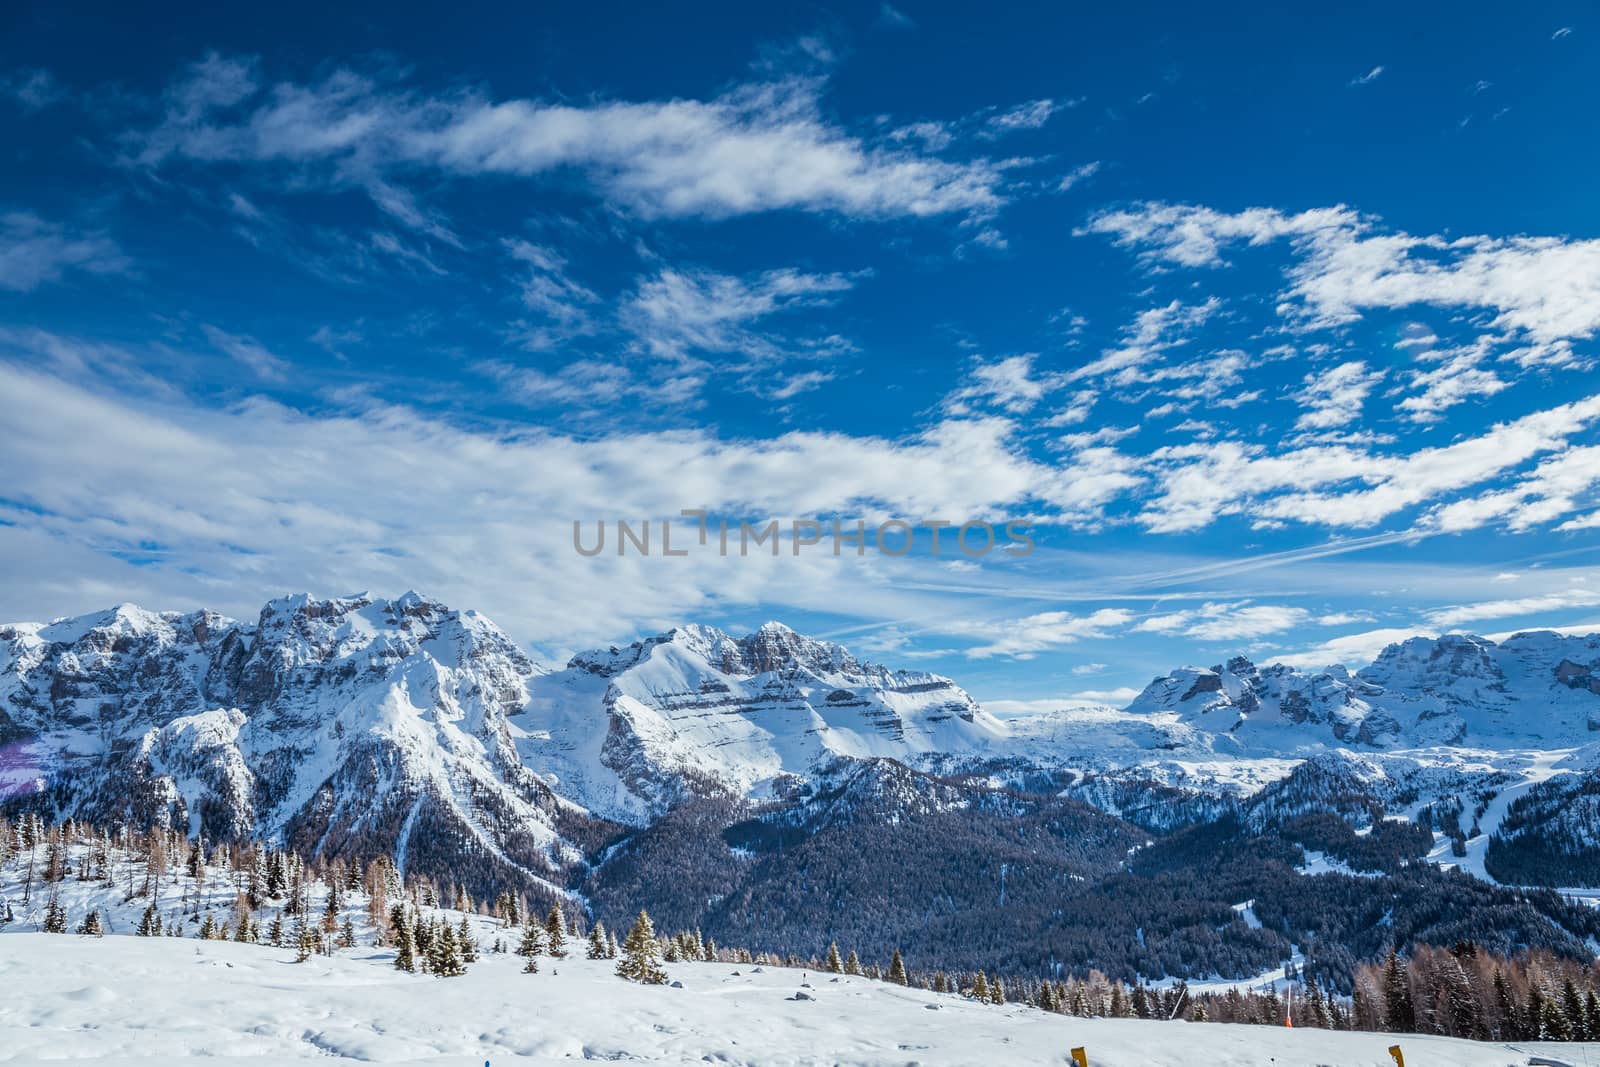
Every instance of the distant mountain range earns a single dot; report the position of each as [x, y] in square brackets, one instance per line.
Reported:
[358, 725]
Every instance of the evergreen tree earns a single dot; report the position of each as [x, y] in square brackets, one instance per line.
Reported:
[597, 941]
[406, 942]
[275, 932]
[302, 941]
[347, 935]
[532, 940]
[55, 916]
[91, 924]
[853, 964]
[444, 957]
[465, 941]
[555, 928]
[150, 922]
[208, 929]
[835, 964]
[641, 959]
[980, 987]
[1572, 1008]
[897, 970]
[1399, 1014]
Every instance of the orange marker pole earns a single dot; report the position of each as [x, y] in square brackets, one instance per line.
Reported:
[1399, 1057]
[1080, 1057]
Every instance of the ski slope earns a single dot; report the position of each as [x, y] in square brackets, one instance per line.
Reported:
[148, 1001]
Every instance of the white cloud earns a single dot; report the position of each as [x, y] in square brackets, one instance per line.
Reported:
[1453, 617]
[1009, 384]
[893, 18]
[1145, 342]
[34, 89]
[1334, 397]
[258, 498]
[1545, 290]
[1216, 621]
[679, 314]
[561, 306]
[1029, 116]
[758, 147]
[1200, 482]
[1026, 637]
[1368, 78]
[1556, 487]
[34, 251]
[1078, 175]
[1352, 650]
[1455, 377]
[249, 352]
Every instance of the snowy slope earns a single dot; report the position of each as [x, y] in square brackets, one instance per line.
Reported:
[627, 731]
[345, 726]
[1536, 690]
[359, 725]
[158, 1001]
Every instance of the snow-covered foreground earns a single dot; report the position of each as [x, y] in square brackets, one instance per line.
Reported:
[126, 1000]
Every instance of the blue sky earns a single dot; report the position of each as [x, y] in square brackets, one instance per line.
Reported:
[1278, 327]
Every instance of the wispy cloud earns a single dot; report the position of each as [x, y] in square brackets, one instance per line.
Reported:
[1369, 77]
[35, 251]
[761, 146]
[248, 352]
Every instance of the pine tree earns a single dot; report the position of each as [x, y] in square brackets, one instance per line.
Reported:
[980, 987]
[445, 959]
[613, 950]
[897, 970]
[150, 922]
[275, 936]
[208, 929]
[55, 916]
[555, 928]
[405, 958]
[532, 940]
[303, 942]
[641, 959]
[997, 991]
[465, 941]
[1399, 1015]
[852, 965]
[330, 912]
[91, 924]
[347, 935]
[597, 942]
[835, 964]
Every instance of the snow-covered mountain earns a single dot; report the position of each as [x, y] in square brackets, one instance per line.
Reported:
[628, 731]
[361, 724]
[1534, 690]
[338, 726]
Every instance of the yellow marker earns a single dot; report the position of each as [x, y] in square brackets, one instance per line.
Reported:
[1399, 1057]
[1080, 1057]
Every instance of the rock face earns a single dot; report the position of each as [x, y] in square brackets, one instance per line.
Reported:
[1534, 690]
[627, 732]
[357, 725]
[342, 726]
